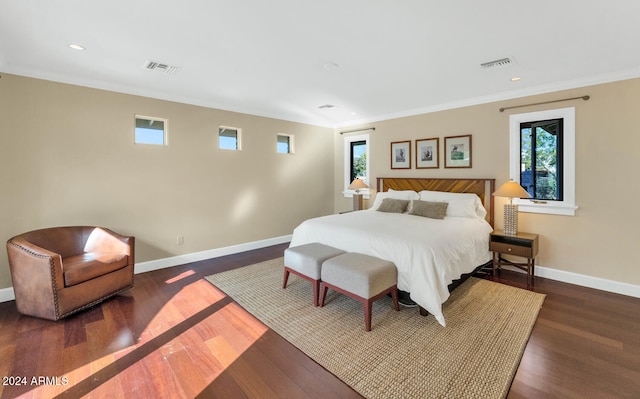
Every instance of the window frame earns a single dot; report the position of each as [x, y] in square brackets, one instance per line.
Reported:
[165, 129]
[290, 143]
[567, 205]
[348, 164]
[533, 126]
[238, 138]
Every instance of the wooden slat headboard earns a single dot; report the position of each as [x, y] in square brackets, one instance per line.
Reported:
[481, 187]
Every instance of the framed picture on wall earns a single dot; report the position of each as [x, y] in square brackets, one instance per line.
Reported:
[457, 151]
[427, 153]
[401, 155]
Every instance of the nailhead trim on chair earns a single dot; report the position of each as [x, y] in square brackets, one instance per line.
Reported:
[97, 301]
[55, 290]
[53, 275]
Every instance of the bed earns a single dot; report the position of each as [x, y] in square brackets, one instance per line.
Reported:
[430, 253]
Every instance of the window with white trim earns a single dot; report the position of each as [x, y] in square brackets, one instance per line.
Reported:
[150, 130]
[542, 160]
[229, 138]
[356, 162]
[284, 143]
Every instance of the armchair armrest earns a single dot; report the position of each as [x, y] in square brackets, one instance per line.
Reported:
[37, 276]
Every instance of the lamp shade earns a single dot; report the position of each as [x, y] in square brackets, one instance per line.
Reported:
[357, 184]
[511, 189]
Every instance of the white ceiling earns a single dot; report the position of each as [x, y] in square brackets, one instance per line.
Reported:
[268, 58]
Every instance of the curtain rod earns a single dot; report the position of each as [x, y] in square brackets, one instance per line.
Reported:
[585, 98]
[358, 130]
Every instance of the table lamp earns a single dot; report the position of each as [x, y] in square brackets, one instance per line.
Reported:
[357, 184]
[511, 189]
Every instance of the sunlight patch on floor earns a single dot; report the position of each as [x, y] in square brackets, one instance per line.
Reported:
[180, 335]
[180, 276]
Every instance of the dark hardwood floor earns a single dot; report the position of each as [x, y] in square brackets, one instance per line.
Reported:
[174, 335]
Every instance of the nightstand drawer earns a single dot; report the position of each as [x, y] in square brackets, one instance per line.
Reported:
[517, 250]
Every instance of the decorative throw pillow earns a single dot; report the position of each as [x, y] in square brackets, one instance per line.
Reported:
[433, 210]
[403, 195]
[393, 205]
[466, 205]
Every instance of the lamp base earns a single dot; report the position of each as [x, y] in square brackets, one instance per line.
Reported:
[357, 202]
[511, 219]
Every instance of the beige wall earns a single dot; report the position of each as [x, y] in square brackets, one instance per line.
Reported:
[600, 241]
[67, 157]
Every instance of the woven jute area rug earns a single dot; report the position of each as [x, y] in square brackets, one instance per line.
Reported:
[405, 355]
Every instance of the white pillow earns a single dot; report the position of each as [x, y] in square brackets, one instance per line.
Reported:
[466, 205]
[409, 195]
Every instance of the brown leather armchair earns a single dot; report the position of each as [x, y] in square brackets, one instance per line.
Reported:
[61, 270]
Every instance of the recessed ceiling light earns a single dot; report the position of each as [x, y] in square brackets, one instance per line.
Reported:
[515, 79]
[76, 47]
[330, 66]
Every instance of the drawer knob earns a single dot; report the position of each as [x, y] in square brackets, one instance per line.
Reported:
[509, 249]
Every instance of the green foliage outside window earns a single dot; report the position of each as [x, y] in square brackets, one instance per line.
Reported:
[540, 169]
[360, 166]
[359, 160]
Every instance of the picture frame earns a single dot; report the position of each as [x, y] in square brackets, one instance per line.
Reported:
[457, 151]
[401, 154]
[428, 153]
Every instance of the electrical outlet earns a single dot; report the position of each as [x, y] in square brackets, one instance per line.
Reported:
[180, 240]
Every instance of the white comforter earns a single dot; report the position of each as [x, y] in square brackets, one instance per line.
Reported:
[429, 253]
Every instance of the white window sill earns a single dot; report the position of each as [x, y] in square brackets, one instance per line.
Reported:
[548, 208]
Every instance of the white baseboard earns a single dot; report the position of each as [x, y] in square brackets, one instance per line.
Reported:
[208, 254]
[7, 294]
[597, 283]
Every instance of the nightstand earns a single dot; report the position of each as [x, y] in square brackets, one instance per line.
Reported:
[524, 245]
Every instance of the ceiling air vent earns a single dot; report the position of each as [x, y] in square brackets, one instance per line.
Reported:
[326, 106]
[503, 62]
[158, 66]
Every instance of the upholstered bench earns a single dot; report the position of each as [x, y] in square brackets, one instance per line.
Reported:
[306, 261]
[362, 277]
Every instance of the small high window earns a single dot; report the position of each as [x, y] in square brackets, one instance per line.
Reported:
[150, 130]
[229, 138]
[284, 144]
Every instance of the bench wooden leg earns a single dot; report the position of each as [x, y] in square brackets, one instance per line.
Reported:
[323, 293]
[367, 314]
[316, 292]
[366, 303]
[394, 297]
[315, 283]
[286, 277]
